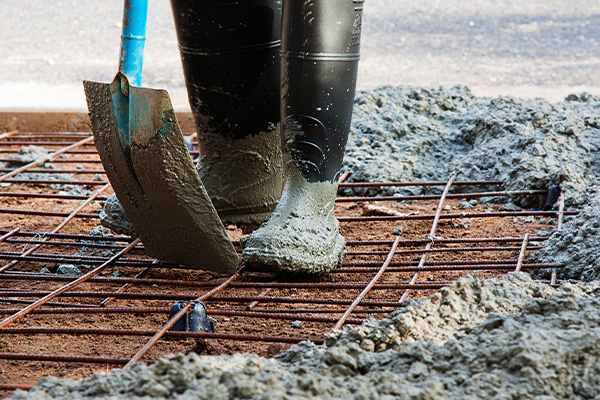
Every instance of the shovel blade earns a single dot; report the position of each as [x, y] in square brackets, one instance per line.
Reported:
[155, 179]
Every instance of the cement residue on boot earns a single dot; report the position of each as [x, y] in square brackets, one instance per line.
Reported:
[424, 134]
[113, 217]
[242, 176]
[526, 341]
[576, 246]
[302, 235]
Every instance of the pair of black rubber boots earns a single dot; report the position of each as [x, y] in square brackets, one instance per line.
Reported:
[271, 84]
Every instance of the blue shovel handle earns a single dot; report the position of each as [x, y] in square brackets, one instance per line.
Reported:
[133, 39]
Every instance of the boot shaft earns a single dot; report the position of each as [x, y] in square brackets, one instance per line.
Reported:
[319, 61]
[230, 56]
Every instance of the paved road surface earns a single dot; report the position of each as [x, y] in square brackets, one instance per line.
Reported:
[545, 48]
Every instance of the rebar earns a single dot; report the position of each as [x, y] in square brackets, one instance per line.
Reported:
[368, 288]
[66, 287]
[431, 236]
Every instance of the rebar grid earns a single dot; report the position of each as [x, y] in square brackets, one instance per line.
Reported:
[115, 312]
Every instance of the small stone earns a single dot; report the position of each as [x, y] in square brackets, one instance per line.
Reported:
[463, 225]
[467, 204]
[68, 269]
[100, 230]
[447, 208]
[510, 207]
[398, 230]
[297, 324]
[45, 271]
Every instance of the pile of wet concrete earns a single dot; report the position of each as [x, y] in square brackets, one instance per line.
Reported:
[509, 337]
[424, 134]
[505, 338]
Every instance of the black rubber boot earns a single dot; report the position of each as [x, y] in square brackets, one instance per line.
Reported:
[230, 56]
[319, 61]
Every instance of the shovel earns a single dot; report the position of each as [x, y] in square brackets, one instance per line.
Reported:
[148, 164]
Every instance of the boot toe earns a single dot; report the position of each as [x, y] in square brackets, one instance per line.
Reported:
[303, 248]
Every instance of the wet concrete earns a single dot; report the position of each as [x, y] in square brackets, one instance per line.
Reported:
[113, 216]
[242, 176]
[302, 235]
[158, 186]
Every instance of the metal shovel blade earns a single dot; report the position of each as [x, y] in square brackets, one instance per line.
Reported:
[154, 178]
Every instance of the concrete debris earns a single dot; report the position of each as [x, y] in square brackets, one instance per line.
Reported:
[112, 216]
[476, 339]
[68, 269]
[26, 155]
[467, 204]
[510, 207]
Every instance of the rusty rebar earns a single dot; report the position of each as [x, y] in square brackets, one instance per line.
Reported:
[56, 196]
[220, 298]
[59, 171]
[61, 358]
[62, 160]
[371, 285]
[426, 183]
[67, 219]
[436, 197]
[41, 143]
[55, 182]
[411, 242]
[441, 250]
[66, 287]
[278, 285]
[15, 386]
[45, 213]
[8, 134]
[77, 236]
[431, 236]
[165, 310]
[455, 216]
[9, 234]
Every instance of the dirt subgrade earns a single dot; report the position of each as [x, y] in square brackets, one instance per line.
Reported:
[26, 372]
